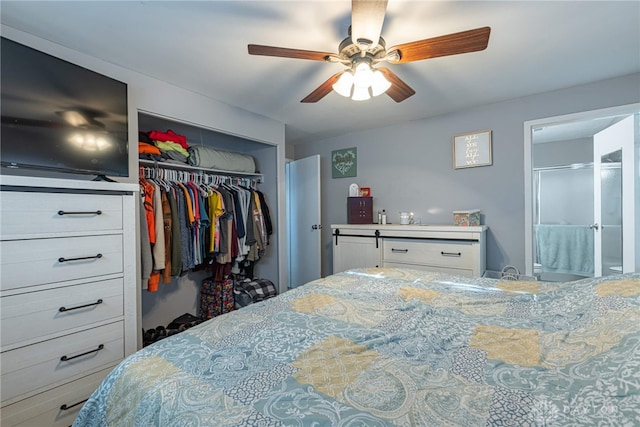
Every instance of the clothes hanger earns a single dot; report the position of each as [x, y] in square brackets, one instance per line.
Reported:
[205, 184]
[165, 179]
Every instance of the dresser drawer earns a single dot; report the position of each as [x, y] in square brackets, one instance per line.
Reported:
[429, 252]
[39, 261]
[53, 408]
[49, 363]
[433, 268]
[33, 315]
[26, 213]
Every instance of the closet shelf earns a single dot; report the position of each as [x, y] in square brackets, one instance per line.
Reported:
[165, 165]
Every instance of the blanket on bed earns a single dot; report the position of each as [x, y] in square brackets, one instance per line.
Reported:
[377, 347]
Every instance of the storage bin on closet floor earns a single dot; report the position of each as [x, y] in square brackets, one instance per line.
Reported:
[248, 291]
[216, 297]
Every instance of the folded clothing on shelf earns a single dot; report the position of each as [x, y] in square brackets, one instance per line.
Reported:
[212, 158]
[170, 136]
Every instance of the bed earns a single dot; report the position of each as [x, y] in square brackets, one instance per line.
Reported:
[378, 347]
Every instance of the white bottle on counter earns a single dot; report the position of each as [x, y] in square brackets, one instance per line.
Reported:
[384, 217]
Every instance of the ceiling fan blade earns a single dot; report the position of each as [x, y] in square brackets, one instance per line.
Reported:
[283, 52]
[322, 90]
[367, 17]
[399, 90]
[451, 44]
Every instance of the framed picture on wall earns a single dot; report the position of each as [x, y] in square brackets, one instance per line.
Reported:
[344, 163]
[472, 149]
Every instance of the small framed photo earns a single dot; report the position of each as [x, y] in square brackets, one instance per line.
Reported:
[472, 149]
[365, 192]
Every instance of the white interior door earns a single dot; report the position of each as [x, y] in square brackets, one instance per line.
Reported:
[304, 226]
[614, 199]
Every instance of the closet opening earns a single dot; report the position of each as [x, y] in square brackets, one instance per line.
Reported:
[179, 290]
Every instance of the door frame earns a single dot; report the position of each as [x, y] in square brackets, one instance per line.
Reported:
[529, 126]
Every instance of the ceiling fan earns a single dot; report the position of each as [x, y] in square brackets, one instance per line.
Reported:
[364, 49]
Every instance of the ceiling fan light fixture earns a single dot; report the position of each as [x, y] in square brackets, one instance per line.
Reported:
[379, 83]
[356, 84]
[364, 48]
[344, 84]
[363, 76]
[360, 93]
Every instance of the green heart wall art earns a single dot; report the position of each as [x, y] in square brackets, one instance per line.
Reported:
[344, 163]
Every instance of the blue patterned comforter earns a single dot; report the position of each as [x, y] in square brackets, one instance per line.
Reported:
[378, 347]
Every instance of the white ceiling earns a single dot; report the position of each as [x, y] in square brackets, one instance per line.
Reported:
[202, 46]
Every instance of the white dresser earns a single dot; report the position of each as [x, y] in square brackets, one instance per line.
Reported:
[442, 248]
[68, 293]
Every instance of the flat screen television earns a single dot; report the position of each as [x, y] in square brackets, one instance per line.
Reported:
[58, 116]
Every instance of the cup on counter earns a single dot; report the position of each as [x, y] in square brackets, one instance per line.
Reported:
[406, 218]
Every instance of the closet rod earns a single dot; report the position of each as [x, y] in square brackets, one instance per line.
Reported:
[258, 176]
[200, 177]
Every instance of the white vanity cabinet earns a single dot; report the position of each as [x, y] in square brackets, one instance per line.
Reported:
[68, 293]
[448, 249]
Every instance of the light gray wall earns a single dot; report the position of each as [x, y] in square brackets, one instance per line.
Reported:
[409, 166]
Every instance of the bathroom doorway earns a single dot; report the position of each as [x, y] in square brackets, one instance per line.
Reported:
[580, 194]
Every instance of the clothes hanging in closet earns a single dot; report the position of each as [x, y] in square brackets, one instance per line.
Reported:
[189, 224]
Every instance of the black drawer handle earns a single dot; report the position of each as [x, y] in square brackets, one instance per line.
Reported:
[80, 213]
[404, 251]
[66, 359]
[65, 406]
[63, 309]
[62, 259]
[450, 253]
